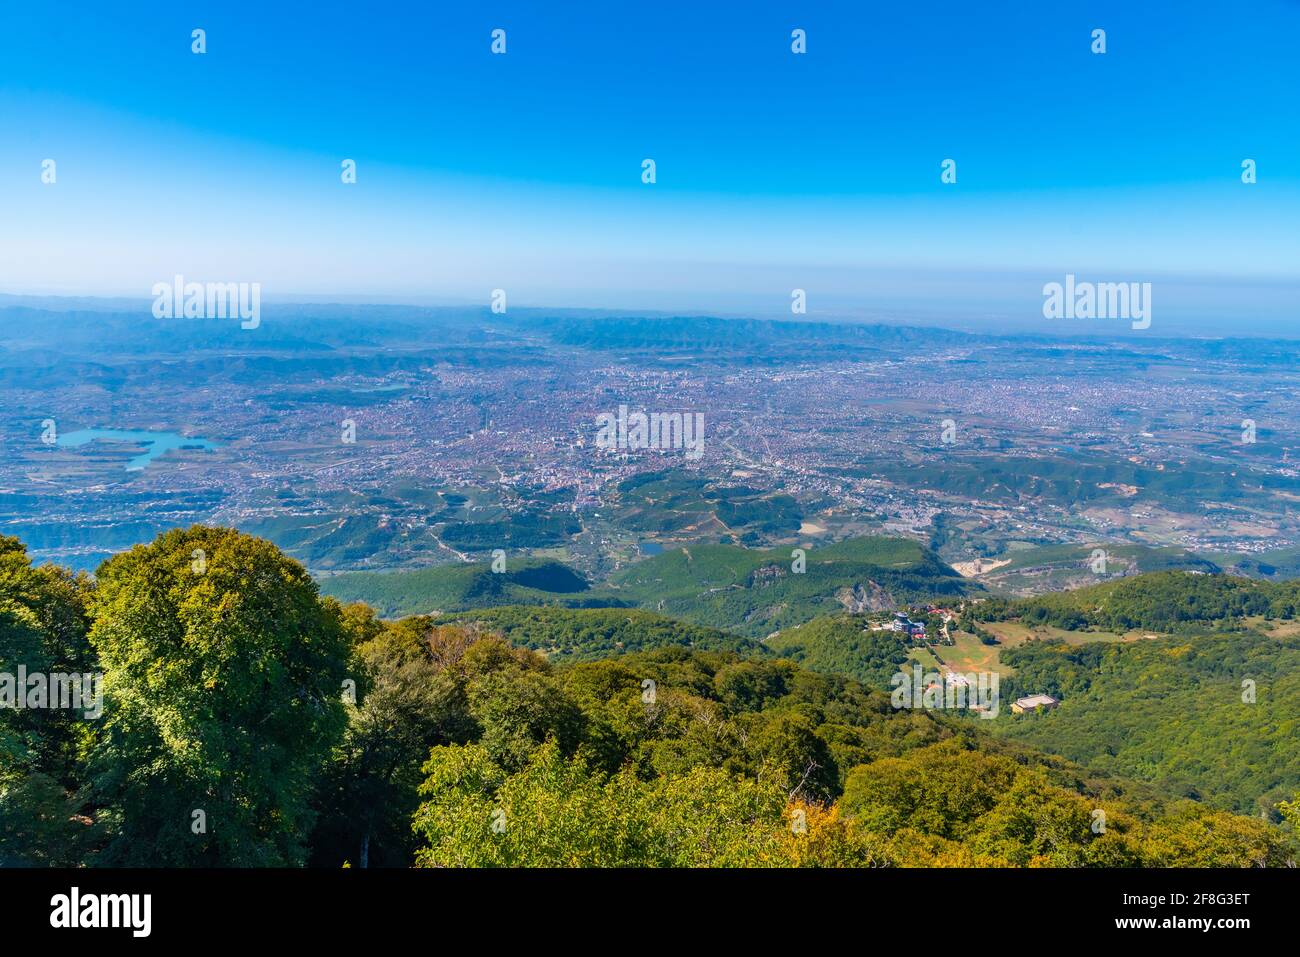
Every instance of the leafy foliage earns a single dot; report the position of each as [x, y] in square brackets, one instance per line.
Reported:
[1172, 711]
[223, 691]
[645, 742]
[844, 644]
[1160, 601]
[590, 633]
[458, 587]
[43, 624]
[755, 591]
[948, 804]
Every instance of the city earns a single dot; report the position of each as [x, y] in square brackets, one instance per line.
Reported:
[403, 443]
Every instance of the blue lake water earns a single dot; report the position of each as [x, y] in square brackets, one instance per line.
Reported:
[155, 443]
[651, 548]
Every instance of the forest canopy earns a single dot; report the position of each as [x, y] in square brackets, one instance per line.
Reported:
[248, 721]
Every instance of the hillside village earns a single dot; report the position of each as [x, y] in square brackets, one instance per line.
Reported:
[915, 628]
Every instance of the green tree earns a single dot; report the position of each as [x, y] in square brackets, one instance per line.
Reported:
[518, 708]
[408, 702]
[555, 812]
[43, 625]
[223, 672]
[1196, 836]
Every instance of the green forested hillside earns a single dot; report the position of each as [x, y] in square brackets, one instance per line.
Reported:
[585, 634]
[459, 587]
[1278, 564]
[1072, 480]
[1172, 712]
[246, 721]
[842, 644]
[662, 502]
[756, 591]
[1168, 710]
[1160, 601]
[735, 762]
[751, 592]
[1039, 569]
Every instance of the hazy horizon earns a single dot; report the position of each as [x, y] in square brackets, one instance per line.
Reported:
[1187, 308]
[774, 170]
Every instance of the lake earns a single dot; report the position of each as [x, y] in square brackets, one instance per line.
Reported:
[155, 443]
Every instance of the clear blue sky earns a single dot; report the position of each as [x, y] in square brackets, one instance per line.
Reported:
[774, 170]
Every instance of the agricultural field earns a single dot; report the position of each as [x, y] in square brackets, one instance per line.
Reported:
[968, 653]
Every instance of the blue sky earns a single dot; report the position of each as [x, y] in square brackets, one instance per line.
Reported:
[522, 171]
